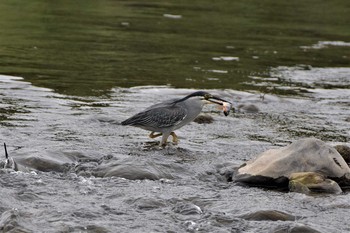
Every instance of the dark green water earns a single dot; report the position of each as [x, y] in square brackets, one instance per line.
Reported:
[88, 47]
[81, 171]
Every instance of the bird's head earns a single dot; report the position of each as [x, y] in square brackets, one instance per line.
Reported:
[209, 98]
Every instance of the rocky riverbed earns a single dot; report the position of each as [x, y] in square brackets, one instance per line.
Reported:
[87, 173]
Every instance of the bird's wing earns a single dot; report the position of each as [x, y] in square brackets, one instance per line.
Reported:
[159, 117]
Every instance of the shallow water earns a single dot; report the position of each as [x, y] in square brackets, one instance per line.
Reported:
[88, 172]
[88, 65]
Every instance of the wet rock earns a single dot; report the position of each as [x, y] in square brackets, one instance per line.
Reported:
[308, 182]
[275, 166]
[187, 209]
[248, 108]
[27, 196]
[51, 161]
[295, 228]
[147, 203]
[268, 215]
[11, 221]
[223, 219]
[89, 228]
[45, 163]
[204, 119]
[85, 169]
[344, 151]
[133, 169]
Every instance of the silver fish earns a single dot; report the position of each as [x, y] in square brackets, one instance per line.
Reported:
[226, 108]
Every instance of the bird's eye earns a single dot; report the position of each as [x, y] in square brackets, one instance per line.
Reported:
[207, 96]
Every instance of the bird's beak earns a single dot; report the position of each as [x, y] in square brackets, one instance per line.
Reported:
[227, 106]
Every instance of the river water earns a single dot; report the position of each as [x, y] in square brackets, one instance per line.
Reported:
[72, 71]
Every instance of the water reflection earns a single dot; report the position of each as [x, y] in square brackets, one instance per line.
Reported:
[88, 47]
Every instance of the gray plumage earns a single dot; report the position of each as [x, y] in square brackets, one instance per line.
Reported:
[164, 116]
[170, 115]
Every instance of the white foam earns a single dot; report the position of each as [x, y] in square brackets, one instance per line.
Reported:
[325, 44]
[171, 16]
[225, 58]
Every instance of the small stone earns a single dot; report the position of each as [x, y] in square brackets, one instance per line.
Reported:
[204, 119]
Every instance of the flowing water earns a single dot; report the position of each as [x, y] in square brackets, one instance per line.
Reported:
[71, 71]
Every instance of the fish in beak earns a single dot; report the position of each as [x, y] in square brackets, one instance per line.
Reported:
[226, 106]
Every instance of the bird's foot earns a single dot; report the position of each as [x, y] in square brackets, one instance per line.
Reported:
[175, 138]
[154, 135]
[163, 142]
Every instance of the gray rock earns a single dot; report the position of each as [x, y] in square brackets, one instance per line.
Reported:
[204, 119]
[295, 228]
[187, 209]
[50, 161]
[134, 169]
[248, 108]
[146, 203]
[275, 166]
[268, 215]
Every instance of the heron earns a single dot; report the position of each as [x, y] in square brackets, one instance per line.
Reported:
[164, 118]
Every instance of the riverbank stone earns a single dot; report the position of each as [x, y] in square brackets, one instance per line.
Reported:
[275, 167]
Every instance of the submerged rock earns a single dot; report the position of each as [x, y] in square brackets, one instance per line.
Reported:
[45, 164]
[147, 203]
[308, 182]
[268, 215]
[274, 167]
[134, 169]
[204, 119]
[12, 221]
[52, 161]
[248, 108]
[187, 209]
[295, 228]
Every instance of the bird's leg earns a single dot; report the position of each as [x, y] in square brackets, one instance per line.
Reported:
[164, 139]
[153, 135]
[175, 138]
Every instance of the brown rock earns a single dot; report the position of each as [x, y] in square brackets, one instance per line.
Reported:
[344, 151]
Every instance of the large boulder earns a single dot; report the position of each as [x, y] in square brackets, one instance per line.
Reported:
[275, 167]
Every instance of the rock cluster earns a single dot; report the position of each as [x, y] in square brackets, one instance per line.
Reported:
[308, 165]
